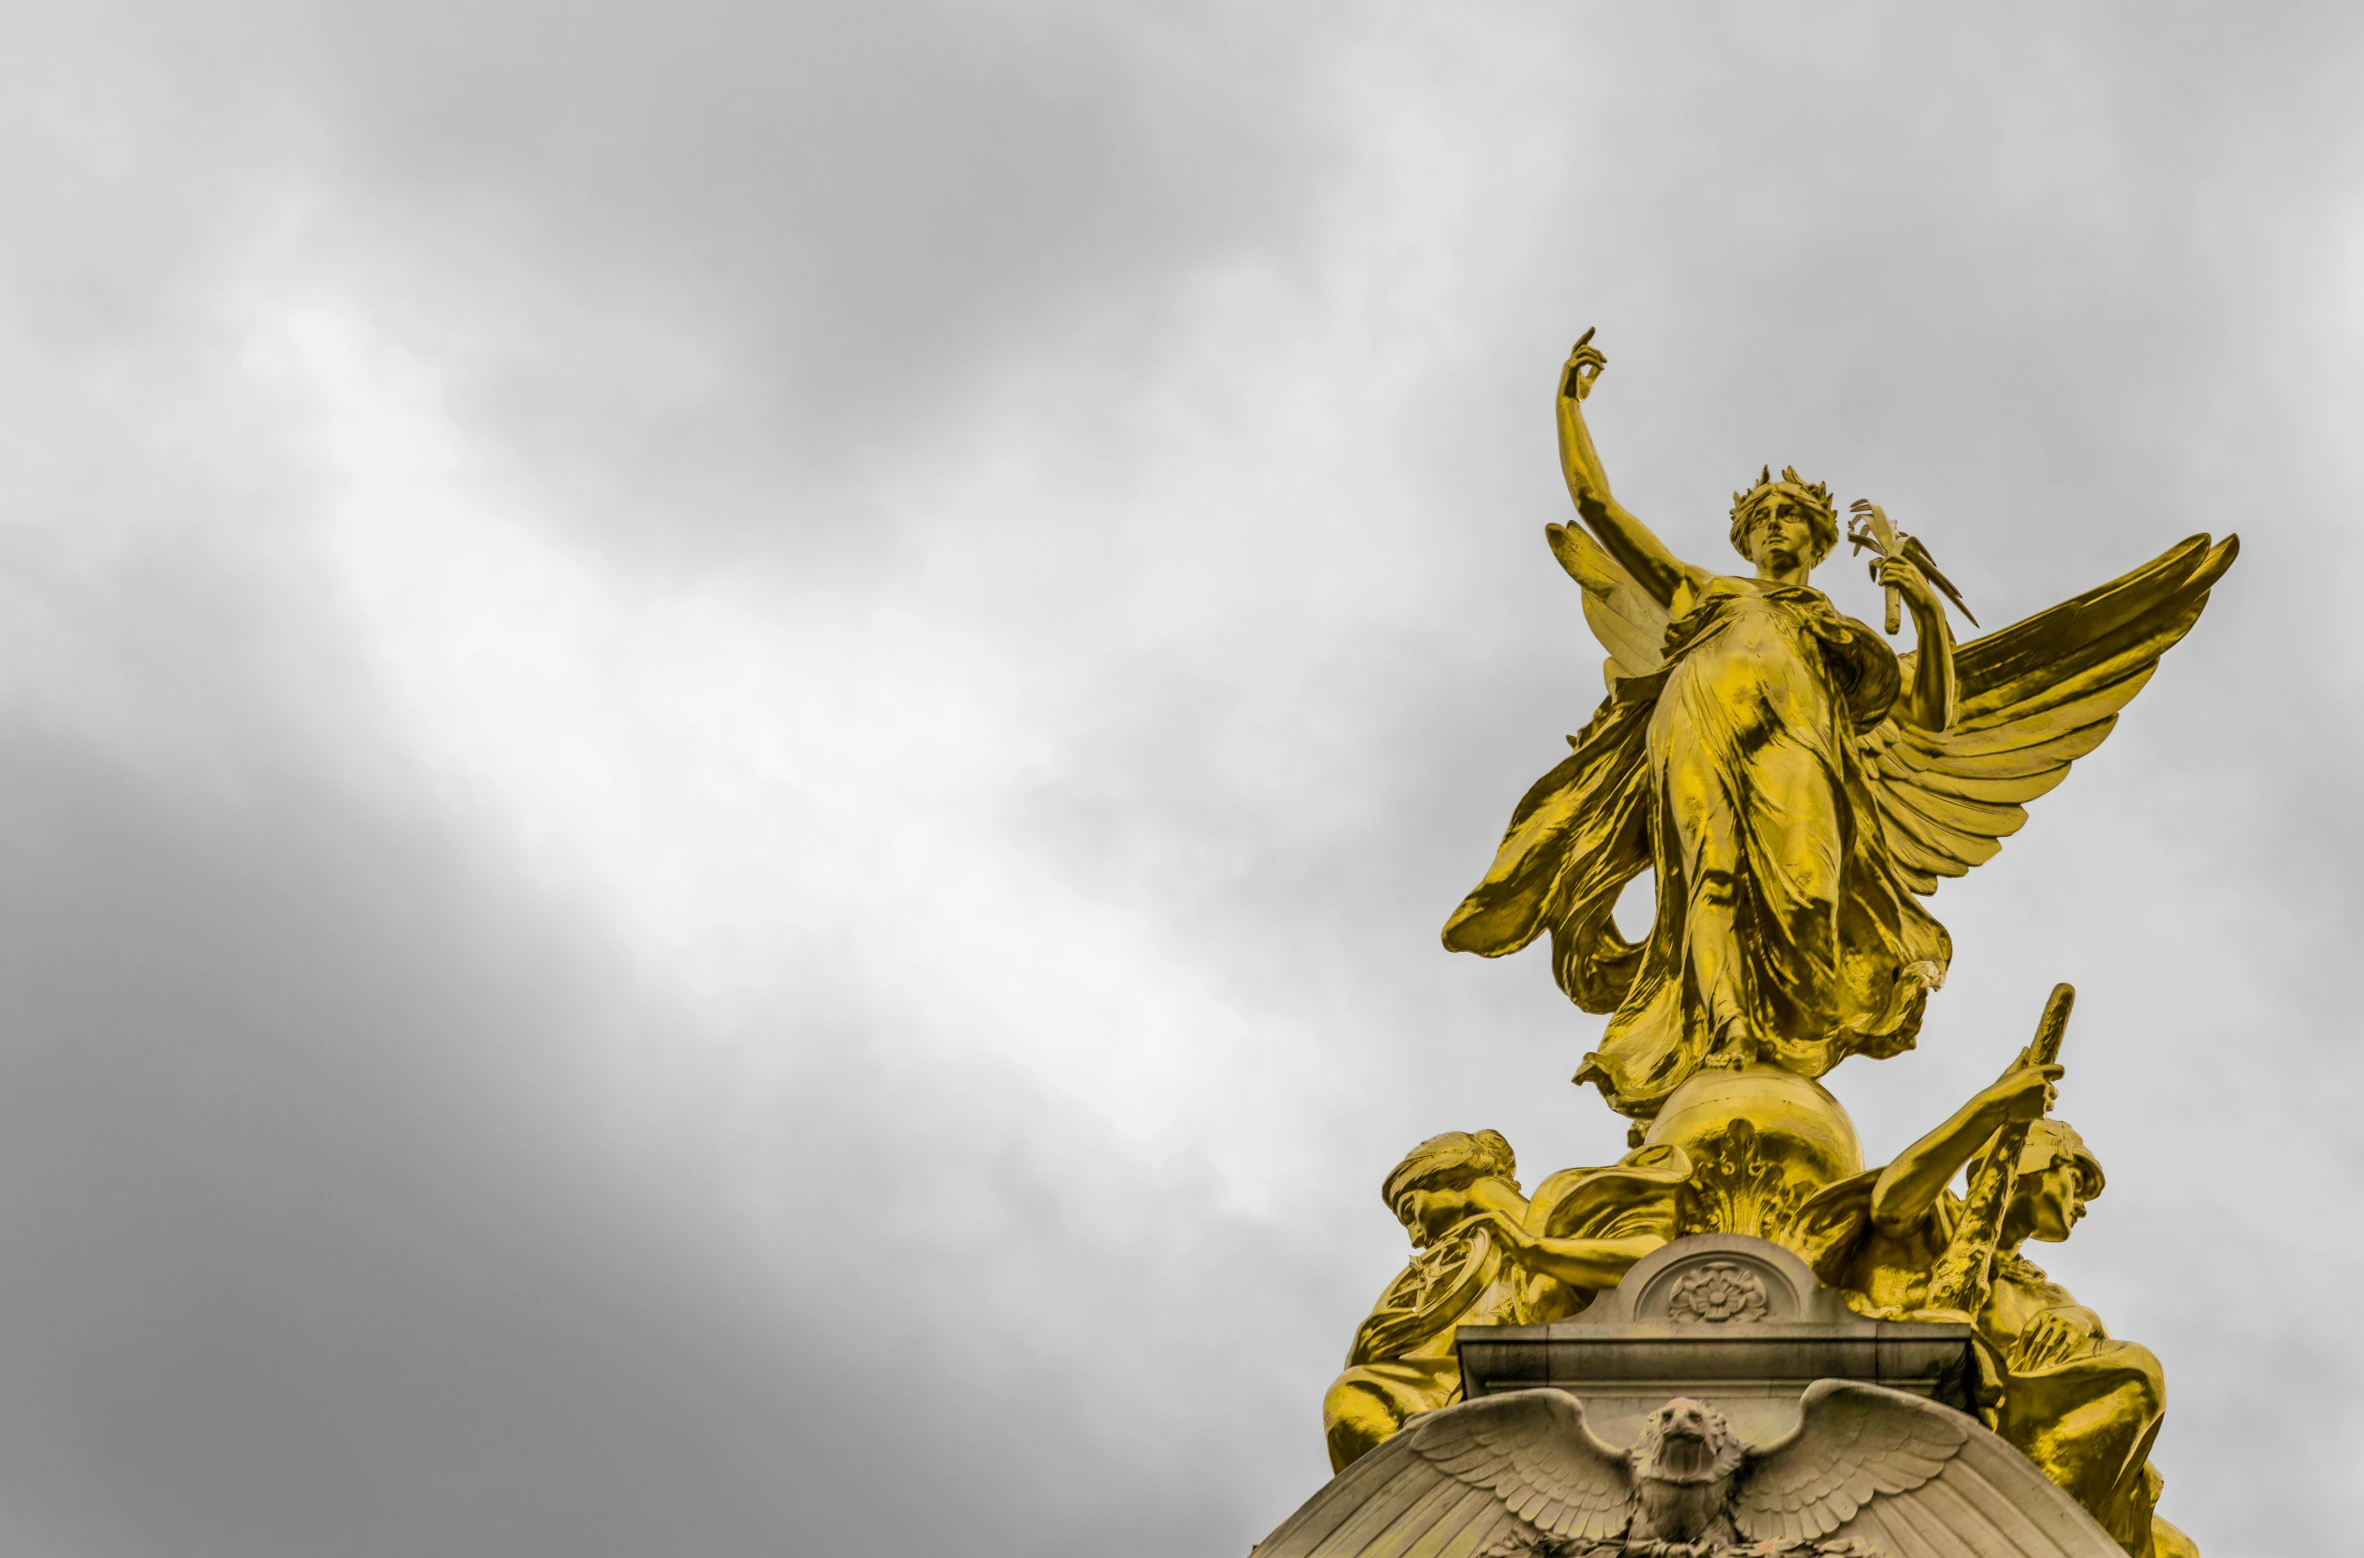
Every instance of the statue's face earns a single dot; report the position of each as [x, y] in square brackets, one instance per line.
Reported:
[1428, 1215]
[2055, 1201]
[1781, 535]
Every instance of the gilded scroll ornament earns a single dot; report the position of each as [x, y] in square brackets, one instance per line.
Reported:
[1741, 1184]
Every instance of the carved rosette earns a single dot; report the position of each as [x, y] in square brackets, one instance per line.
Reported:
[1720, 1293]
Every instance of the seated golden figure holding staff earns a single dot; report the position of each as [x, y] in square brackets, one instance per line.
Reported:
[2081, 1404]
[1796, 787]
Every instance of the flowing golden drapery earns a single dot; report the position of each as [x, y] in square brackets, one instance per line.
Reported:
[1752, 752]
[1735, 772]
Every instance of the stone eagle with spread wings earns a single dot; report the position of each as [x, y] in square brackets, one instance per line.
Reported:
[1795, 786]
[1868, 1471]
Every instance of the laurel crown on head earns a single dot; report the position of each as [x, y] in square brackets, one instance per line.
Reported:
[1822, 509]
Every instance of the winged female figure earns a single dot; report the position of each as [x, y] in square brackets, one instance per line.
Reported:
[1796, 786]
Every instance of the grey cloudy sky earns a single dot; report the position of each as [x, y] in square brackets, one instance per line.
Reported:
[731, 737]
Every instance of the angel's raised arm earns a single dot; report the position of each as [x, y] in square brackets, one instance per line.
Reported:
[1626, 538]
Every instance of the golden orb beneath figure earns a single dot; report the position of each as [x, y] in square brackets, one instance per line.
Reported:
[1760, 1140]
[1791, 1115]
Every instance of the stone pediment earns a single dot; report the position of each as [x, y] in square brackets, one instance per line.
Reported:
[1734, 1321]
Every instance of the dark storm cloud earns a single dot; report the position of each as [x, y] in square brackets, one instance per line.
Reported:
[325, 1231]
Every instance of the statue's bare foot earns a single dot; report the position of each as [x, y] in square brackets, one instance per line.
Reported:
[1735, 1044]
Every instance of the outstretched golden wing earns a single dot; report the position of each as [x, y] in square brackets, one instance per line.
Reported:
[1630, 624]
[2033, 698]
[1502, 1474]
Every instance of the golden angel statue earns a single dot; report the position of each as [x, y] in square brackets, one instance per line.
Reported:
[1795, 785]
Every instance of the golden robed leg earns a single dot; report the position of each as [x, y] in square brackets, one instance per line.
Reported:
[1365, 1406]
[1795, 866]
[2089, 1424]
[1704, 815]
